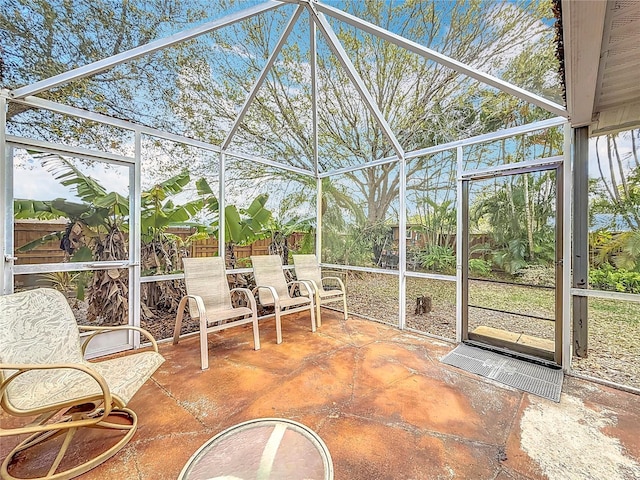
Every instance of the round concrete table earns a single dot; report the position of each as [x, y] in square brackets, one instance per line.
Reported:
[262, 449]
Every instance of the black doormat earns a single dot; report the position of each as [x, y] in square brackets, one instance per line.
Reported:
[527, 376]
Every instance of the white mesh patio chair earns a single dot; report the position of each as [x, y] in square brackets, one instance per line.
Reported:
[325, 289]
[43, 374]
[274, 291]
[210, 303]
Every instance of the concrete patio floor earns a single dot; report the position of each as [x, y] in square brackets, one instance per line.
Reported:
[383, 403]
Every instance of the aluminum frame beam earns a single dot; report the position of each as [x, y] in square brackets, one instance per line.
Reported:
[6, 204]
[341, 54]
[270, 163]
[511, 168]
[442, 59]
[132, 54]
[487, 137]
[124, 124]
[363, 166]
[462, 284]
[263, 75]
[48, 147]
[37, 102]
[313, 64]
[135, 239]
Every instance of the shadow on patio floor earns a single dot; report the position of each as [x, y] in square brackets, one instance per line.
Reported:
[382, 402]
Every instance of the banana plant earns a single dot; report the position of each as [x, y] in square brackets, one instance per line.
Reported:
[281, 231]
[244, 226]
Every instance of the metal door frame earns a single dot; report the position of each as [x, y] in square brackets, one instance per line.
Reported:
[551, 164]
[107, 343]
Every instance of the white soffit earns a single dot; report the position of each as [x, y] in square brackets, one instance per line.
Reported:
[617, 101]
[602, 63]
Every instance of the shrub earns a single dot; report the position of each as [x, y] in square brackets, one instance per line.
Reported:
[438, 258]
[617, 280]
[478, 266]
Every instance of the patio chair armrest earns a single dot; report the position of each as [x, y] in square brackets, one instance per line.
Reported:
[276, 298]
[306, 283]
[202, 311]
[340, 282]
[202, 314]
[310, 286]
[100, 330]
[21, 368]
[250, 297]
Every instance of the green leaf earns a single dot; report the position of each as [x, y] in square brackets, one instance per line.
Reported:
[203, 187]
[40, 241]
[83, 254]
[86, 188]
[33, 209]
[70, 210]
[259, 215]
[115, 201]
[232, 224]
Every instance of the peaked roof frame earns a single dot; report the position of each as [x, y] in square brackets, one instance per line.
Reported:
[318, 21]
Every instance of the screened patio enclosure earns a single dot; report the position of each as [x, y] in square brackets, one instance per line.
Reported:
[302, 118]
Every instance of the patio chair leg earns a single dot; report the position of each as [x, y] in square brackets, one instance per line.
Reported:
[313, 315]
[344, 305]
[278, 326]
[318, 316]
[204, 348]
[256, 334]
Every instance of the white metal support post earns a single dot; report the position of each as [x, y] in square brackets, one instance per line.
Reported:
[135, 242]
[313, 51]
[580, 243]
[566, 248]
[459, 243]
[319, 219]
[402, 244]
[221, 204]
[6, 204]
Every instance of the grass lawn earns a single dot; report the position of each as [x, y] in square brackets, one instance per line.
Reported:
[614, 326]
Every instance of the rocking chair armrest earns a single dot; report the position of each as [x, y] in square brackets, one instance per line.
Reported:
[100, 330]
[21, 368]
[250, 297]
[340, 282]
[276, 298]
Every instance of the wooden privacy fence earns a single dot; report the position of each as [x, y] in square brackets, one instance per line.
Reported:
[26, 231]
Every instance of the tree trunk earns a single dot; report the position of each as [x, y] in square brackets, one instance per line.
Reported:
[230, 255]
[527, 209]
